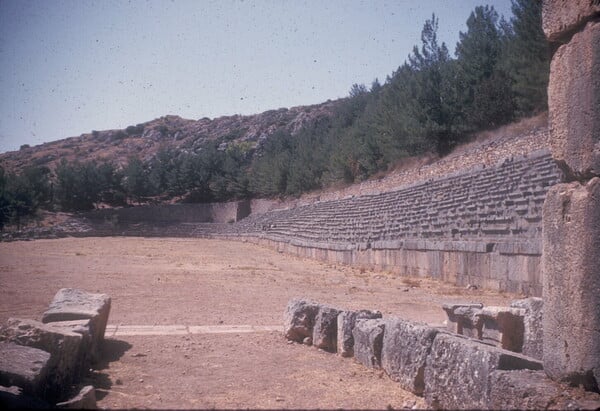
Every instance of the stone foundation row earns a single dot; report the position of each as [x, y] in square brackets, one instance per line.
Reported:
[449, 370]
[42, 364]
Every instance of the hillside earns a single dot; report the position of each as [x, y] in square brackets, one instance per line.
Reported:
[146, 139]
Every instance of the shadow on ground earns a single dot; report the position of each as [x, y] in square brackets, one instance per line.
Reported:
[112, 350]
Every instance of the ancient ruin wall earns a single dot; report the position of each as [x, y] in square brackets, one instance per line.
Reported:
[480, 226]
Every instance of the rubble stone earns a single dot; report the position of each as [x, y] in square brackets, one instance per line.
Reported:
[368, 341]
[571, 274]
[26, 367]
[345, 323]
[325, 329]
[458, 369]
[63, 347]
[406, 346]
[84, 400]
[299, 319]
[72, 304]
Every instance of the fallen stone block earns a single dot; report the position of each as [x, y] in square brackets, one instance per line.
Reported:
[502, 327]
[533, 329]
[458, 369]
[25, 367]
[84, 400]
[299, 319]
[88, 351]
[345, 323]
[71, 304]
[63, 347]
[325, 329]
[462, 319]
[406, 346]
[13, 398]
[368, 341]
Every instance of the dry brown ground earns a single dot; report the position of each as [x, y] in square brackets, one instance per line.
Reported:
[209, 282]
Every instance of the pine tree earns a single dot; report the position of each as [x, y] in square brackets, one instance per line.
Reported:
[526, 58]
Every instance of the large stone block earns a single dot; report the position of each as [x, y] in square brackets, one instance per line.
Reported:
[368, 341]
[574, 103]
[458, 369]
[325, 329]
[345, 322]
[571, 273]
[89, 350]
[70, 304]
[406, 346]
[63, 346]
[523, 390]
[25, 367]
[299, 319]
[533, 329]
[502, 327]
[462, 319]
[561, 17]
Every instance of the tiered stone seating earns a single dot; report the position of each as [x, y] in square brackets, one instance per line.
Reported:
[483, 204]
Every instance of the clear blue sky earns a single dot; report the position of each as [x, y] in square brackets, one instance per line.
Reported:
[69, 67]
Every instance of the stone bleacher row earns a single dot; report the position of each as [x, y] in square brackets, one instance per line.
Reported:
[501, 204]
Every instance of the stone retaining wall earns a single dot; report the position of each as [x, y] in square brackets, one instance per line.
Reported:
[450, 371]
[481, 226]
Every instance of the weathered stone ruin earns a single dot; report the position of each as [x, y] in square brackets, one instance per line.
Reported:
[448, 368]
[41, 363]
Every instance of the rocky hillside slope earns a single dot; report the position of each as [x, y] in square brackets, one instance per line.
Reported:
[146, 139]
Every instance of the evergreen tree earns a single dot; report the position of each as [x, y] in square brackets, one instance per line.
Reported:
[526, 58]
[136, 179]
[486, 100]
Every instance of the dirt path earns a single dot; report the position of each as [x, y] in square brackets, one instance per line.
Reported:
[202, 288]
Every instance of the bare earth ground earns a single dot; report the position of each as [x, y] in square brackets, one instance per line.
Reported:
[199, 282]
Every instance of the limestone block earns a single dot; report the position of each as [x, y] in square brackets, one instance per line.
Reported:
[533, 330]
[63, 346]
[345, 323]
[71, 304]
[571, 275]
[458, 369]
[560, 17]
[462, 318]
[84, 400]
[299, 319]
[574, 103]
[368, 341]
[522, 389]
[26, 367]
[89, 351]
[325, 329]
[406, 346]
[502, 327]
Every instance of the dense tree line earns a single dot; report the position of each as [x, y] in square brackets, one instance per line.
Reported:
[430, 103]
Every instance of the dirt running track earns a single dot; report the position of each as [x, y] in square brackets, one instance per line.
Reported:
[183, 286]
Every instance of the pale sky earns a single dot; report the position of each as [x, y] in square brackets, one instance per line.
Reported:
[70, 67]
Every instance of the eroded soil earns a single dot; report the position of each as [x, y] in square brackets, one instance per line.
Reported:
[210, 282]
